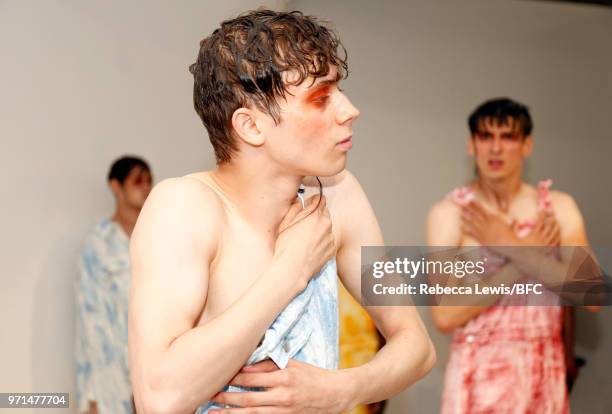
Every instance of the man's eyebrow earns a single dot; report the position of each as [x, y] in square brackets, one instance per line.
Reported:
[325, 82]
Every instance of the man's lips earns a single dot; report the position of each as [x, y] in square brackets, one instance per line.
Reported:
[346, 143]
[495, 163]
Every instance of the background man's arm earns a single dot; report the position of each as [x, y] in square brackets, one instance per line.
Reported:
[573, 229]
[176, 365]
[575, 263]
[444, 230]
[408, 353]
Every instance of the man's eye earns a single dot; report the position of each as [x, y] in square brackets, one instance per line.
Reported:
[322, 99]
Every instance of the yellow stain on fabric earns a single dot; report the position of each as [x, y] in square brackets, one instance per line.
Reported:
[359, 339]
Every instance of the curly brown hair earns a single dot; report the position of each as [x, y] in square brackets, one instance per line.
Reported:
[241, 65]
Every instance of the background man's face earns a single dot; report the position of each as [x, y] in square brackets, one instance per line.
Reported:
[499, 149]
[313, 136]
[135, 188]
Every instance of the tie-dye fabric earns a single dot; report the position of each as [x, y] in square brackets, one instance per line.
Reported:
[306, 330]
[102, 290]
[509, 359]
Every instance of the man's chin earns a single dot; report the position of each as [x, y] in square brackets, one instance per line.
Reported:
[496, 175]
[331, 169]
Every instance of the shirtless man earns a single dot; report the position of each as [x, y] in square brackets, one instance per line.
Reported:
[217, 255]
[506, 359]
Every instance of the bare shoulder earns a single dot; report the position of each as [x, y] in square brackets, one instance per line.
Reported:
[444, 223]
[182, 207]
[565, 208]
[445, 207]
[563, 201]
[444, 212]
[570, 219]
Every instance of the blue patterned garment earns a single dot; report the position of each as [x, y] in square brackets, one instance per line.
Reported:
[306, 330]
[102, 292]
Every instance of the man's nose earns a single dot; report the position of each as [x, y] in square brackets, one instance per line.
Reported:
[496, 145]
[347, 112]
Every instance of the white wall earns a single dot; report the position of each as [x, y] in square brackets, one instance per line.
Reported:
[80, 84]
[419, 67]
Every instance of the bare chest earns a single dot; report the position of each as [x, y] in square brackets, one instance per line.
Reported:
[243, 256]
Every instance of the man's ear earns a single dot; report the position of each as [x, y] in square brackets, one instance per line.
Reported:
[244, 121]
[471, 149]
[527, 146]
[115, 187]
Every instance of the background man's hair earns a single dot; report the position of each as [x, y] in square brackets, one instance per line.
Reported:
[241, 64]
[122, 167]
[500, 111]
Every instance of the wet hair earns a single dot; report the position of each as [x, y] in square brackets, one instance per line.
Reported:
[241, 65]
[122, 167]
[501, 110]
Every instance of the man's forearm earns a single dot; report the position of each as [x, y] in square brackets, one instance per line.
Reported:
[405, 358]
[572, 265]
[198, 363]
[449, 316]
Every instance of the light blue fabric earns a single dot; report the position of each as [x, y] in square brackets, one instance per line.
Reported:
[102, 291]
[306, 330]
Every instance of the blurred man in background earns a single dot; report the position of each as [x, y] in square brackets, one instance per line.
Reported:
[102, 288]
[506, 356]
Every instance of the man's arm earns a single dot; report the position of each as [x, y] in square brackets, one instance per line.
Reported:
[408, 353]
[444, 229]
[175, 365]
[573, 233]
[573, 229]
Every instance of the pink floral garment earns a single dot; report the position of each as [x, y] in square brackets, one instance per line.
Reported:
[509, 359]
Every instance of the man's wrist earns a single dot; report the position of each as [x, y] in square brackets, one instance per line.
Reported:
[283, 272]
[349, 389]
[291, 275]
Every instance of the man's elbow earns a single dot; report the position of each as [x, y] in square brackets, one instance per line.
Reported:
[155, 398]
[432, 357]
[443, 321]
[151, 402]
[429, 358]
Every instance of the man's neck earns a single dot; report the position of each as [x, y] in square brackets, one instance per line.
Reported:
[261, 195]
[502, 192]
[126, 217]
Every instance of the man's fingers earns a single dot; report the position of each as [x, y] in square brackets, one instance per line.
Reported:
[264, 366]
[470, 221]
[317, 205]
[247, 399]
[250, 410]
[475, 212]
[555, 234]
[294, 210]
[311, 205]
[468, 229]
[256, 379]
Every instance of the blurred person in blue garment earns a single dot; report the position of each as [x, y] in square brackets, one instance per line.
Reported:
[102, 291]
